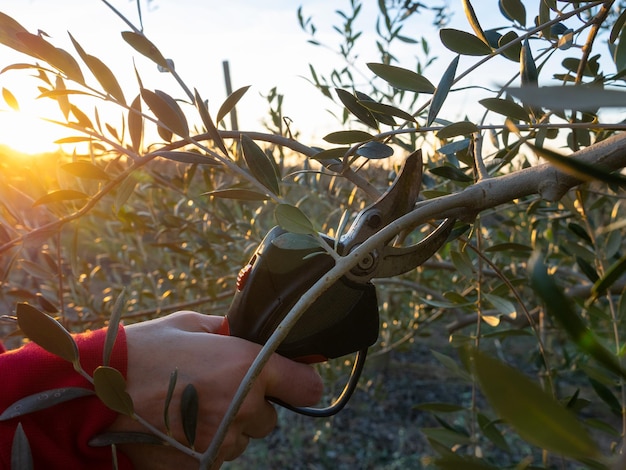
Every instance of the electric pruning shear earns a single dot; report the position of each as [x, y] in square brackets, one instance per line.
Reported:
[344, 319]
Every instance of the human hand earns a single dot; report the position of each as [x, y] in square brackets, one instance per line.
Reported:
[215, 365]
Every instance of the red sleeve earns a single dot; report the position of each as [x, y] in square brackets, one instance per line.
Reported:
[59, 435]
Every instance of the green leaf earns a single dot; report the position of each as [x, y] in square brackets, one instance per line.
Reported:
[447, 79]
[110, 387]
[208, 123]
[46, 332]
[135, 124]
[230, 102]
[189, 412]
[43, 400]
[331, 154]
[124, 191]
[513, 10]
[60, 195]
[113, 327]
[166, 110]
[385, 109]
[579, 169]
[102, 73]
[528, 68]
[451, 172]
[84, 169]
[514, 51]
[375, 150]
[504, 306]
[454, 461]
[296, 241]
[581, 98]
[142, 44]
[463, 43]
[611, 275]
[491, 432]
[352, 104]
[168, 399]
[401, 78]
[607, 396]
[9, 99]
[347, 137]
[21, 455]
[437, 407]
[506, 107]
[456, 129]
[58, 58]
[260, 164]
[535, 415]
[239, 194]
[473, 21]
[293, 219]
[560, 309]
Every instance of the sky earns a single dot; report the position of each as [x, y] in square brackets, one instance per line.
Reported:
[262, 41]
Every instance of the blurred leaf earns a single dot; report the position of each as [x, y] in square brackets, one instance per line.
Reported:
[62, 100]
[347, 137]
[617, 27]
[473, 21]
[60, 195]
[74, 139]
[401, 78]
[506, 107]
[577, 168]
[124, 191]
[293, 219]
[535, 415]
[230, 102]
[166, 110]
[110, 387]
[36, 270]
[143, 45]
[21, 455]
[452, 366]
[463, 43]
[260, 165]
[561, 310]
[237, 193]
[452, 173]
[615, 271]
[454, 461]
[509, 247]
[375, 150]
[587, 269]
[9, 99]
[581, 98]
[446, 436]
[168, 399]
[46, 332]
[81, 117]
[189, 412]
[186, 157]
[456, 129]
[454, 147]
[113, 327]
[135, 123]
[102, 73]
[43, 400]
[353, 105]
[209, 124]
[84, 169]
[58, 58]
[513, 10]
[607, 396]
[491, 432]
[9, 30]
[440, 94]
[504, 306]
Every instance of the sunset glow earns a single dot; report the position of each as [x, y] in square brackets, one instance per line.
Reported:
[28, 134]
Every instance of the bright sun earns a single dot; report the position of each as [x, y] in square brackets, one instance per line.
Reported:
[27, 133]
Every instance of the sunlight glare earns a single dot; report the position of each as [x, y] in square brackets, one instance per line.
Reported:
[27, 133]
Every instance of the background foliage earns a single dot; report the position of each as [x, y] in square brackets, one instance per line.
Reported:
[163, 203]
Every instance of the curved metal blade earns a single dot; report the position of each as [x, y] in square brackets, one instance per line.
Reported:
[399, 260]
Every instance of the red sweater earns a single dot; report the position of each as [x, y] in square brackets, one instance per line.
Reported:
[59, 435]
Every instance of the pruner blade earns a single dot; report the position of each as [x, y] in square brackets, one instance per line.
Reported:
[398, 200]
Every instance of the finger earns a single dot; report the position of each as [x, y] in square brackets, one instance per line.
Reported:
[260, 421]
[292, 382]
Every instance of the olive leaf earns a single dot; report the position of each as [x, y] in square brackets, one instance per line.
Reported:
[84, 169]
[113, 327]
[47, 333]
[168, 399]
[293, 219]
[166, 110]
[10, 99]
[347, 137]
[135, 123]
[440, 94]
[189, 408]
[238, 193]
[230, 102]
[43, 400]
[208, 122]
[60, 195]
[110, 387]
[401, 78]
[463, 43]
[144, 46]
[21, 455]
[260, 165]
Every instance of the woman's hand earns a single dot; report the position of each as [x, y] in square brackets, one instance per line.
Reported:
[215, 365]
